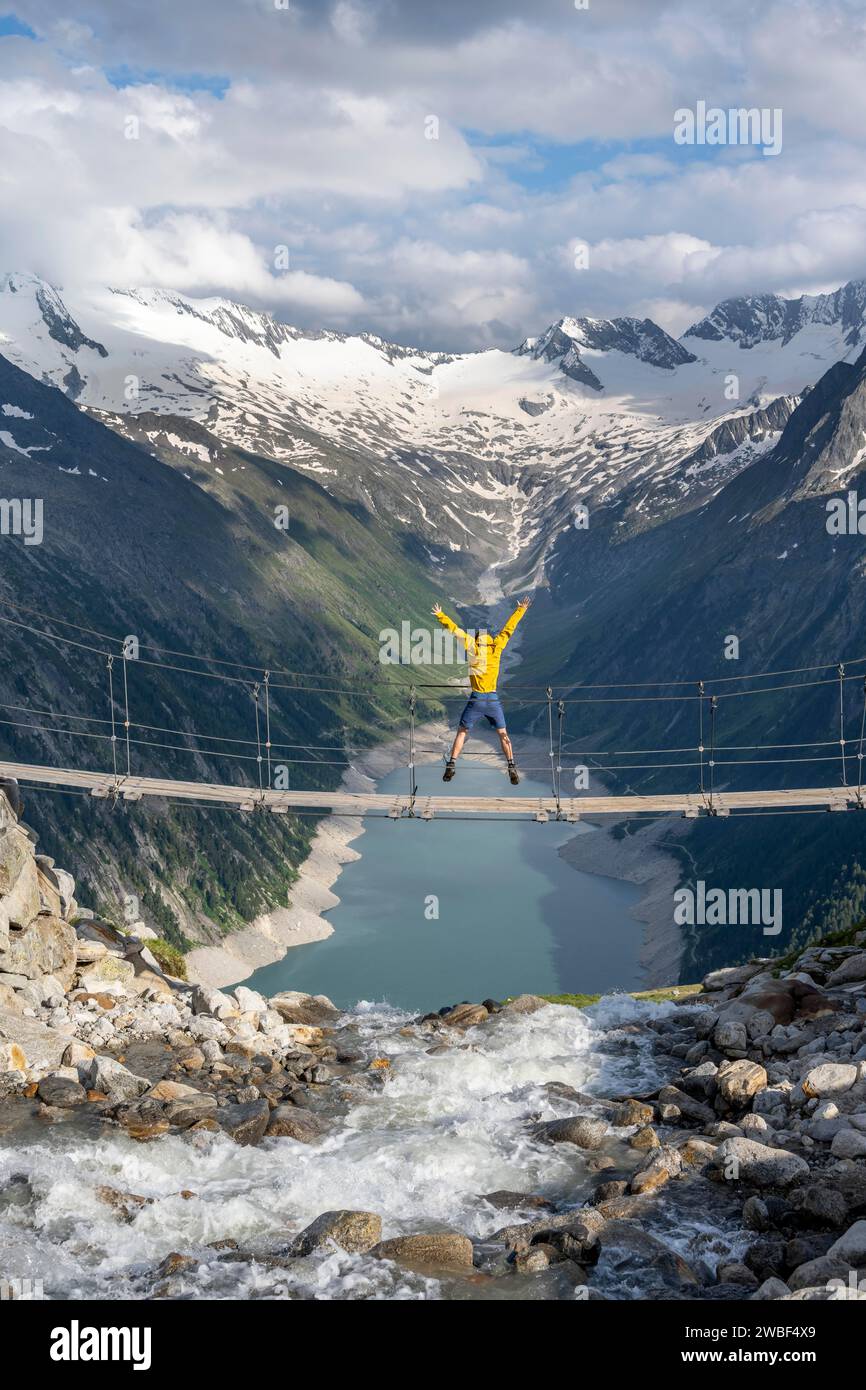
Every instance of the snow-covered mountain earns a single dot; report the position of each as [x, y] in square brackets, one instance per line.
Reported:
[705, 463]
[638, 338]
[484, 454]
[768, 318]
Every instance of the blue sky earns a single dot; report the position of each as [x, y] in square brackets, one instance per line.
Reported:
[184, 144]
[11, 24]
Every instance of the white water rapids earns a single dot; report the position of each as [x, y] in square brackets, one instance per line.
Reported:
[446, 1128]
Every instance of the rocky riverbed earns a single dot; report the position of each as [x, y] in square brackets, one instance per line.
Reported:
[160, 1140]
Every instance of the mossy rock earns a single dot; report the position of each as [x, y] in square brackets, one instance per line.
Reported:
[169, 957]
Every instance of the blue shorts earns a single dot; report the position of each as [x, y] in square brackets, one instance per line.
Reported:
[483, 705]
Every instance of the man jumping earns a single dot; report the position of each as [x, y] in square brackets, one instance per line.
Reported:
[485, 652]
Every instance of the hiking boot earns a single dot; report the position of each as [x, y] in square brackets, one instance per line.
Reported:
[450, 769]
[513, 775]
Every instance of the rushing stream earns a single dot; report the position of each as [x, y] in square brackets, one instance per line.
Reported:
[94, 1214]
[458, 909]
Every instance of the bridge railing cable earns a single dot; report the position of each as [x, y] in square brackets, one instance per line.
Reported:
[139, 740]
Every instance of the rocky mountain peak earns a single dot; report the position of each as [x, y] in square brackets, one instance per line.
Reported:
[61, 326]
[639, 338]
[751, 319]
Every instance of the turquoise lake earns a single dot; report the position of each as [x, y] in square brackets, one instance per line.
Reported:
[437, 912]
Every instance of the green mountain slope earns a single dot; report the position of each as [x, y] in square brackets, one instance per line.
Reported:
[186, 563]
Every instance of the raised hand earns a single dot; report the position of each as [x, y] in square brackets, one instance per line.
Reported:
[436, 609]
[525, 602]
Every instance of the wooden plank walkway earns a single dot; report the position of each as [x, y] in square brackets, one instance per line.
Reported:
[101, 784]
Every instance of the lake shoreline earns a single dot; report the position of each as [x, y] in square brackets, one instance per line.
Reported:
[635, 859]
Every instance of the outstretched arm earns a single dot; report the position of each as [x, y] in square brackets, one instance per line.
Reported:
[506, 632]
[468, 642]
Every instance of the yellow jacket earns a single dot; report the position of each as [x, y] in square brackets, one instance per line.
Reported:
[486, 653]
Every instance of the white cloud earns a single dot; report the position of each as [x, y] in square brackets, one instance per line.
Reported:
[319, 144]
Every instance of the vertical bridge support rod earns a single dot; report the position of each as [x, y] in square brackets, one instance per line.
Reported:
[126, 718]
[255, 694]
[413, 788]
[841, 670]
[551, 755]
[110, 664]
[560, 711]
[701, 733]
[714, 705]
[268, 724]
[860, 751]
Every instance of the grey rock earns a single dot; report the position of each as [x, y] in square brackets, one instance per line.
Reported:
[204, 1000]
[737, 1273]
[536, 1258]
[61, 1092]
[188, 1110]
[581, 1130]
[293, 1122]
[524, 1004]
[46, 946]
[756, 1163]
[15, 852]
[87, 952]
[19, 905]
[314, 1010]
[849, 1143]
[756, 1127]
[439, 1250]
[42, 1047]
[739, 1080]
[354, 1231]
[731, 975]
[522, 1233]
[826, 1205]
[503, 1199]
[250, 1001]
[819, 1271]
[756, 1216]
[246, 1124]
[730, 1036]
[628, 1251]
[117, 1081]
[770, 1289]
[657, 1170]
[700, 1080]
[852, 1245]
[686, 1104]
[829, 1079]
[465, 1016]
[631, 1112]
[852, 969]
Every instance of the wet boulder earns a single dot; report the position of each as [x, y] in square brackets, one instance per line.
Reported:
[581, 1130]
[465, 1016]
[246, 1122]
[440, 1250]
[634, 1257]
[354, 1231]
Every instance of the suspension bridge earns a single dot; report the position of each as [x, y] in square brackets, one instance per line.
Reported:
[260, 760]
